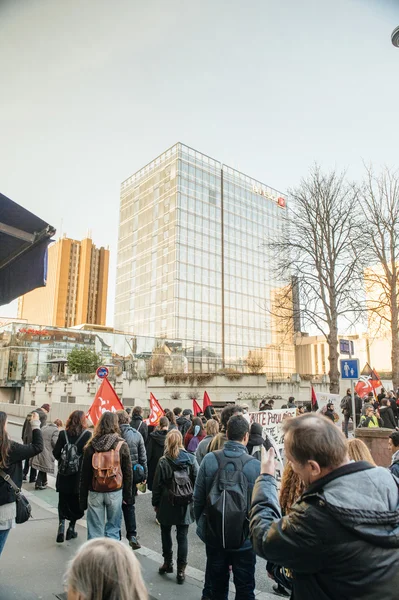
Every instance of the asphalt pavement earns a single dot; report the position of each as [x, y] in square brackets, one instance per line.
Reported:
[33, 564]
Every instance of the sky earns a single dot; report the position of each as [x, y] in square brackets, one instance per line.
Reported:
[91, 91]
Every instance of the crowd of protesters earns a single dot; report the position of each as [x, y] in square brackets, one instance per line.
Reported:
[331, 532]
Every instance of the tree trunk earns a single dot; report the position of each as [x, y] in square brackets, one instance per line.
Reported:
[333, 355]
[395, 345]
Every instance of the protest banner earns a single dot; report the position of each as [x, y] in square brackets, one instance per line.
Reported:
[324, 398]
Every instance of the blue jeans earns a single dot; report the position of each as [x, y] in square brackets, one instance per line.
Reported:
[207, 590]
[243, 564]
[104, 514]
[3, 538]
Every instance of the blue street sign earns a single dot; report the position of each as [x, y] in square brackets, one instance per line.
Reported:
[346, 347]
[102, 372]
[350, 368]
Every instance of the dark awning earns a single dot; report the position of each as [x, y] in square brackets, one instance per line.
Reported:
[24, 239]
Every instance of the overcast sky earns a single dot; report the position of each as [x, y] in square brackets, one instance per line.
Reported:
[92, 90]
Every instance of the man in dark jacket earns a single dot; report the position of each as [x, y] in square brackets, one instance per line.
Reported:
[138, 424]
[338, 527]
[393, 443]
[386, 414]
[184, 422]
[138, 456]
[346, 407]
[242, 559]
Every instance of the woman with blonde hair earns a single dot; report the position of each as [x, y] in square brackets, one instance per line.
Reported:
[358, 451]
[104, 568]
[172, 499]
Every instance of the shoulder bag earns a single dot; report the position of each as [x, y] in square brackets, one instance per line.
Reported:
[24, 509]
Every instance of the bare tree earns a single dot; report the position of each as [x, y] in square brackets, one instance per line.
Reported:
[380, 257]
[316, 260]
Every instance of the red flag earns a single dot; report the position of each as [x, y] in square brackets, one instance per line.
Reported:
[106, 400]
[369, 381]
[315, 404]
[196, 407]
[156, 411]
[207, 402]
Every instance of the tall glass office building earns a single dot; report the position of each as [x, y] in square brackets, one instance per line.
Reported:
[192, 261]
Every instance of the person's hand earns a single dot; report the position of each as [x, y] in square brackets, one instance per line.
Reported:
[34, 416]
[156, 508]
[144, 482]
[268, 462]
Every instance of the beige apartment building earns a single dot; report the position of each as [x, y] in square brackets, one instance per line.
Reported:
[76, 290]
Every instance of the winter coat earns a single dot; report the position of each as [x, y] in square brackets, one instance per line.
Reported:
[42, 416]
[341, 538]
[330, 415]
[27, 430]
[18, 453]
[168, 514]
[189, 436]
[394, 468]
[103, 444]
[346, 405]
[45, 460]
[202, 449]
[387, 418]
[183, 425]
[206, 475]
[69, 484]
[257, 440]
[138, 424]
[156, 443]
[394, 407]
[135, 442]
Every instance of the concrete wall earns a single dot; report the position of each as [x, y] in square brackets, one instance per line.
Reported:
[220, 389]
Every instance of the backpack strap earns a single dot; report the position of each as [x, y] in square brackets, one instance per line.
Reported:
[224, 460]
[138, 428]
[80, 437]
[10, 482]
[66, 436]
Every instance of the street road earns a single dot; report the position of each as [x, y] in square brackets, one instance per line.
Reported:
[148, 531]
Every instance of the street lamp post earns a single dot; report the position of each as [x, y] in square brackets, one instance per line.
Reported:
[395, 37]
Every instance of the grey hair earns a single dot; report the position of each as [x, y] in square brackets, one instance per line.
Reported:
[106, 568]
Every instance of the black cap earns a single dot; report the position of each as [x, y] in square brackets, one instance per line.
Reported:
[187, 411]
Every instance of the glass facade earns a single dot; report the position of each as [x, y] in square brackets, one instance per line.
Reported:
[192, 261]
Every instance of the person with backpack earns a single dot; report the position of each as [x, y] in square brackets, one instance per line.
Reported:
[106, 479]
[138, 424]
[138, 456]
[194, 435]
[172, 499]
[68, 451]
[155, 448]
[222, 499]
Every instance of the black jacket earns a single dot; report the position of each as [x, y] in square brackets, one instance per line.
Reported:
[183, 425]
[103, 444]
[69, 484]
[155, 448]
[138, 424]
[167, 513]
[135, 442]
[341, 539]
[330, 415]
[387, 418]
[18, 453]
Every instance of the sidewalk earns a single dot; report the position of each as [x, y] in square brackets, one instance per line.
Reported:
[32, 565]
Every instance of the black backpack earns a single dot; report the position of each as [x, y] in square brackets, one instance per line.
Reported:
[180, 490]
[69, 462]
[227, 504]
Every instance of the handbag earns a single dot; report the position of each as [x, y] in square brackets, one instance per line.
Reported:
[24, 509]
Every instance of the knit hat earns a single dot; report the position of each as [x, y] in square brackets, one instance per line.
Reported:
[46, 407]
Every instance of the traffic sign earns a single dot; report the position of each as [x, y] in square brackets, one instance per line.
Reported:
[346, 347]
[102, 372]
[350, 368]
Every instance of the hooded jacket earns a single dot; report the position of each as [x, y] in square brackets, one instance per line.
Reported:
[103, 444]
[136, 446]
[168, 514]
[341, 539]
[45, 460]
[256, 439]
[156, 444]
[394, 467]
